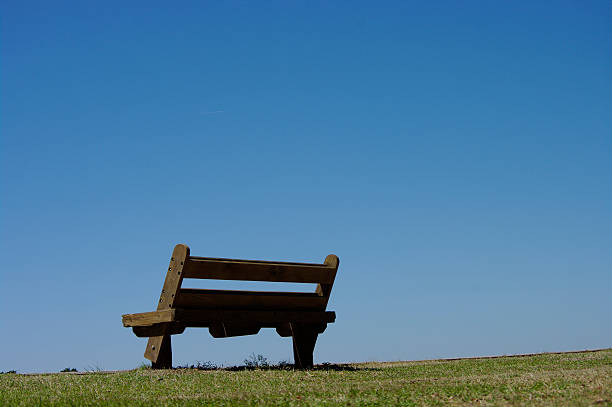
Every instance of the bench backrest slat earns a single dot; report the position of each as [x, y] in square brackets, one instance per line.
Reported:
[228, 269]
[190, 298]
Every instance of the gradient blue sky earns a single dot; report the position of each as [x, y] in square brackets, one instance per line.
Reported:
[456, 156]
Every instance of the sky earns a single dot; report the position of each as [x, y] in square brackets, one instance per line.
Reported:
[456, 156]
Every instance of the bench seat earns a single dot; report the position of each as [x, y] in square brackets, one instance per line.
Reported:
[180, 317]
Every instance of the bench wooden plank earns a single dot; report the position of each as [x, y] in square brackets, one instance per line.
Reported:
[148, 318]
[254, 300]
[164, 328]
[206, 318]
[202, 318]
[229, 269]
[268, 262]
[158, 352]
[324, 289]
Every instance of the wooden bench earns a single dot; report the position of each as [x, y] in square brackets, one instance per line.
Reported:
[233, 313]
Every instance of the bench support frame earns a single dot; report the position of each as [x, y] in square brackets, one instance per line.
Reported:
[164, 356]
[172, 283]
[304, 340]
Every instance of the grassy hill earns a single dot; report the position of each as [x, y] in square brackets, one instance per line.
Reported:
[578, 379]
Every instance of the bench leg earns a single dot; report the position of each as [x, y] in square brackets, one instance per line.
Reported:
[164, 358]
[304, 339]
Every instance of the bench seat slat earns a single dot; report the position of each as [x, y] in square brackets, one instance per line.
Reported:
[206, 318]
[148, 318]
[254, 300]
[226, 269]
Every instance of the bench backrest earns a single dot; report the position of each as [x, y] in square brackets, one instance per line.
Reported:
[182, 265]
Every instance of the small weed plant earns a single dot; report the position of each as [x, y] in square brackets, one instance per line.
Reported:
[258, 361]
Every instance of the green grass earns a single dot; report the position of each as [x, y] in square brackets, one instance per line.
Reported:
[577, 379]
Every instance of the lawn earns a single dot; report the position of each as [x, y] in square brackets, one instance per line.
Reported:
[578, 379]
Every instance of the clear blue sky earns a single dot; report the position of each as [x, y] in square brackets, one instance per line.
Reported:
[456, 156]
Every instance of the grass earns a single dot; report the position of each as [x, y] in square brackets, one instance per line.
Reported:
[577, 379]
